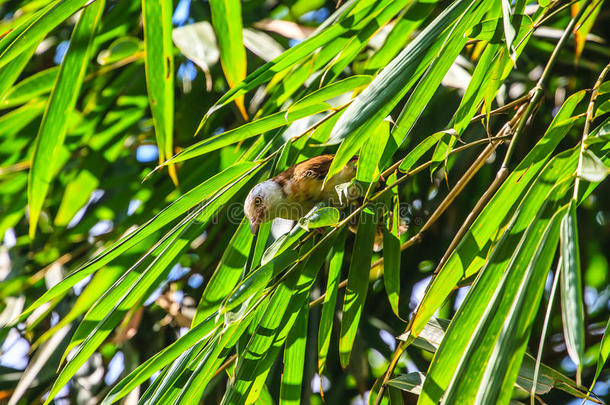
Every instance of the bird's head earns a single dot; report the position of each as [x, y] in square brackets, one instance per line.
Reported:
[262, 203]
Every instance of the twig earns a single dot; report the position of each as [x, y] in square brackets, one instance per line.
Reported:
[588, 121]
[547, 316]
[418, 237]
[536, 94]
[537, 91]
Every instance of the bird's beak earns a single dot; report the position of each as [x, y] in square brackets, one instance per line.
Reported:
[254, 227]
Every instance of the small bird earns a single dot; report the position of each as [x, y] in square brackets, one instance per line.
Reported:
[294, 192]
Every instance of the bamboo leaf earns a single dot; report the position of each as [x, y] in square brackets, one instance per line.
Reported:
[330, 300]
[119, 50]
[202, 331]
[272, 330]
[411, 382]
[572, 309]
[330, 91]
[33, 86]
[10, 72]
[372, 150]
[227, 273]
[391, 261]
[509, 30]
[413, 16]
[32, 31]
[494, 326]
[246, 131]
[592, 168]
[62, 101]
[396, 79]
[433, 333]
[492, 30]
[416, 153]
[294, 359]
[357, 283]
[358, 13]
[257, 280]
[472, 250]
[604, 352]
[322, 217]
[163, 218]
[226, 18]
[159, 64]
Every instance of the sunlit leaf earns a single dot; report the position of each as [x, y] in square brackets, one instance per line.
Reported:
[54, 126]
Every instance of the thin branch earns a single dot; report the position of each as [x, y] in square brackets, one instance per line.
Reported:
[536, 94]
[588, 121]
[545, 325]
[537, 91]
[437, 213]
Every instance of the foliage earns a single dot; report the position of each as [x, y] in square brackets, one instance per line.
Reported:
[128, 270]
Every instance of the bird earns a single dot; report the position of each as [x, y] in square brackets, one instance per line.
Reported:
[295, 191]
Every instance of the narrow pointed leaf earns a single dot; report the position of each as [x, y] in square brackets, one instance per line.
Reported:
[357, 283]
[294, 359]
[29, 34]
[62, 101]
[247, 131]
[159, 64]
[472, 250]
[330, 300]
[226, 18]
[572, 308]
[165, 217]
[393, 82]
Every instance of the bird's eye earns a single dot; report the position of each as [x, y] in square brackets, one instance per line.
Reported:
[258, 201]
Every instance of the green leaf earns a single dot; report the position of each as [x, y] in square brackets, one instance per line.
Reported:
[226, 18]
[294, 359]
[491, 70]
[10, 72]
[62, 101]
[320, 218]
[492, 30]
[433, 333]
[330, 91]
[200, 332]
[205, 190]
[159, 64]
[357, 283]
[493, 319]
[411, 382]
[120, 49]
[32, 86]
[395, 80]
[437, 70]
[272, 330]
[471, 252]
[227, 273]
[413, 16]
[358, 13]
[416, 153]
[372, 150]
[330, 300]
[29, 34]
[246, 131]
[112, 307]
[509, 30]
[592, 169]
[254, 283]
[604, 352]
[391, 260]
[572, 309]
